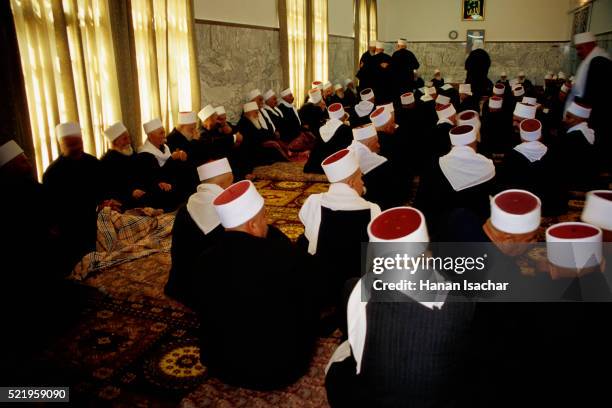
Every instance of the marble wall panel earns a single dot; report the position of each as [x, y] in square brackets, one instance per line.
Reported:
[341, 60]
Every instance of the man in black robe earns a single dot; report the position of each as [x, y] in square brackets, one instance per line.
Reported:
[496, 131]
[365, 74]
[275, 114]
[477, 66]
[592, 86]
[256, 298]
[183, 133]
[350, 94]
[165, 175]
[123, 187]
[403, 64]
[361, 113]
[73, 186]
[460, 179]
[298, 139]
[527, 84]
[333, 136]
[196, 227]
[437, 80]
[213, 143]
[313, 113]
[382, 70]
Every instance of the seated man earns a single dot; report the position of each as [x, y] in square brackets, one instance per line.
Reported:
[335, 222]
[437, 80]
[298, 139]
[529, 167]
[313, 113]
[255, 296]
[350, 93]
[123, 187]
[333, 136]
[214, 141]
[439, 143]
[361, 113]
[164, 174]
[183, 133]
[196, 226]
[260, 144]
[73, 184]
[496, 131]
[461, 179]
[274, 113]
[402, 349]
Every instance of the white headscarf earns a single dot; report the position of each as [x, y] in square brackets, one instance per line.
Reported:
[200, 208]
[368, 160]
[533, 151]
[464, 168]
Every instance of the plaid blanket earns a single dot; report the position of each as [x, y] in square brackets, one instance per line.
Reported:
[126, 237]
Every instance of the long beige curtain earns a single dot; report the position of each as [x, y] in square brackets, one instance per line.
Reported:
[69, 70]
[373, 20]
[69, 49]
[319, 48]
[165, 59]
[293, 38]
[361, 29]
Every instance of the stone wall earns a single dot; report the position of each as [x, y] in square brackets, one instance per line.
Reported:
[234, 60]
[341, 61]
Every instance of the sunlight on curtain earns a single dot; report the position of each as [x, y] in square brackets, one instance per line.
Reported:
[68, 65]
[363, 27]
[319, 40]
[296, 34]
[372, 19]
[165, 56]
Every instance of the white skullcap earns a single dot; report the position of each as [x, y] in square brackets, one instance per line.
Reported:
[372, 43]
[9, 151]
[530, 130]
[387, 106]
[462, 135]
[250, 106]
[68, 129]
[574, 245]
[426, 98]
[399, 224]
[402, 41]
[152, 125]
[499, 89]
[584, 38]
[380, 45]
[364, 132]
[516, 212]
[238, 203]
[445, 111]
[465, 89]
[380, 117]
[206, 113]
[495, 102]
[327, 85]
[348, 81]
[561, 75]
[253, 94]
[214, 168]
[548, 76]
[469, 117]
[286, 92]
[407, 98]
[114, 131]
[518, 91]
[525, 111]
[337, 87]
[340, 165]
[269, 94]
[364, 108]
[317, 84]
[220, 110]
[443, 99]
[187, 118]
[314, 96]
[579, 110]
[366, 94]
[598, 209]
[336, 111]
[530, 100]
[436, 71]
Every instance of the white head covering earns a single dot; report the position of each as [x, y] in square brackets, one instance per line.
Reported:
[253, 94]
[530, 100]
[250, 106]
[516, 211]
[399, 224]
[518, 91]
[531, 130]
[286, 92]
[402, 41]
[446, 87]
[214, 168]
[598, 209]
[380, 45]
[68, 129]
[565, 88]
[407, 98]
[269, 94]
[462, 135]
[465, 89]
[436, 71]
[525, 111]
[187, 118]
[314, 96]
[336, 111]
[220, 110]
[317, 84]
[337, 87]
[469, 117]
[388, 106]
[496, 102]
[206, 112]
[445, 111]
[443, 99]
[364, 132]
[579, 110]
[348, 81]
[430, 90]
[152, 125]
[238, 203]
[114, 131]
[574, 245]
[9, 151]
[327, 85]
[380, 117]
[372, 43]
[366, 94]
[499, 89]
[340, 165]
[583, 38]
[364, 108]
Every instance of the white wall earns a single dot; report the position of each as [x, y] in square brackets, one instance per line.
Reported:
[601, 16]
[515, 20]
[340, 17]
[262, 13]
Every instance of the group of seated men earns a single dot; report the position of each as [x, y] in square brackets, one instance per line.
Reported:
[259, 297]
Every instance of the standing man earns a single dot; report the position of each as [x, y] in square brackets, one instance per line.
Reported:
[592, 87]
[365, 73]
[403, 64]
